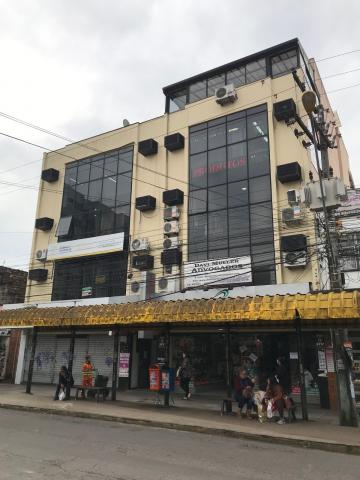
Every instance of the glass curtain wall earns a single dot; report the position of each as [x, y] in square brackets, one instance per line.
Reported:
[230, 206]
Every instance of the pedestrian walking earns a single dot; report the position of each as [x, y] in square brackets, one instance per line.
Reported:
[184, 373]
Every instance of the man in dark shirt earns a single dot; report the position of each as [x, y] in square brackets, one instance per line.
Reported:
[244, 391]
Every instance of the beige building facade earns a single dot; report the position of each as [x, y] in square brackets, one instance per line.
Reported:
[64, 250]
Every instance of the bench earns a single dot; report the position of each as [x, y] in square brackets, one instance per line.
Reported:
[97, 391]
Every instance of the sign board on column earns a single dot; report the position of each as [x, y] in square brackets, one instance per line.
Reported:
[124, 363]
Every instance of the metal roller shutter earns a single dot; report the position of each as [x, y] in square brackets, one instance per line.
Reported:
[62, 355]
[81, 348]
[45, 355]
[101, 348]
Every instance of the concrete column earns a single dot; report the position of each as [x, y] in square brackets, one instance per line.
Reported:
[21, 358]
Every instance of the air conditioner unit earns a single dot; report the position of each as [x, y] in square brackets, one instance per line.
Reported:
[41, 255]
[135, 287]
[168, 285]
[171, 242]
[171, 213]
[293, 197]
[171, 228]
[297, 259]
[293, 215]
[226, 94]
[140, 245]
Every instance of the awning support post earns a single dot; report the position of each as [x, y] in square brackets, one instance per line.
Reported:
[115, 369]
[228, 363]
[167, 363]
[299, 341]
[70, 362]
[32, 359]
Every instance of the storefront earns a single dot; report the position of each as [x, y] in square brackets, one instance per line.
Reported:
[220, 335]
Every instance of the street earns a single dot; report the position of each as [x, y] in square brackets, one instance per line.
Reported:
[36, 446]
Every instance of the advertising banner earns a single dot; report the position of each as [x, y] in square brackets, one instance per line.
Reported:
[86, 246]
[124, 363]
[223, 271]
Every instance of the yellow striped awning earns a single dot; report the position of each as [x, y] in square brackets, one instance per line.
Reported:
[316, 307]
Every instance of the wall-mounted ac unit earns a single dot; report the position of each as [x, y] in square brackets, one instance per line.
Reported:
[171, 213]
[171, 242]
[292, 215]
[171, 228]
[225, 94]
[41, 255]
[296, 259]
[168, 285]
[140, 245]
[294, 197]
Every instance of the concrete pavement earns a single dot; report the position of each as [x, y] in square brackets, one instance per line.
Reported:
[320, 434]
[42, 447]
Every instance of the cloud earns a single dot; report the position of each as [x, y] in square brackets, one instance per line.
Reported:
[79, 68]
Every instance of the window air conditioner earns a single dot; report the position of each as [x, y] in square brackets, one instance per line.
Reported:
[292, 215]
[171, 242]
[171, 213]
[41, 255]
[226, 94]
[140, 245]
[168, 285]
[297, 259]
[171, 228]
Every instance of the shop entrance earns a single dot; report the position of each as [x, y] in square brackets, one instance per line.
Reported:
[144, 352]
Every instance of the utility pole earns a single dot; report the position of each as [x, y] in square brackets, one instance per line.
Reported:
[346, 406]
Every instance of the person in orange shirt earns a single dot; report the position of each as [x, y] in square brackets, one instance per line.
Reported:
[87, 370]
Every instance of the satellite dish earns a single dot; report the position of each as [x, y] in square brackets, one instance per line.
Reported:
[126, 122]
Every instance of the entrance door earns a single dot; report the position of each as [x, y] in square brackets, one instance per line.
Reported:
[144, 349]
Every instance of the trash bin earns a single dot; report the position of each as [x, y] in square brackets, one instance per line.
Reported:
[323, 390]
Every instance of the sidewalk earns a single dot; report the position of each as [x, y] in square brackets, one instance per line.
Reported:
[187, 416]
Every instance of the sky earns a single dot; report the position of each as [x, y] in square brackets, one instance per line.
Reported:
[78, 68]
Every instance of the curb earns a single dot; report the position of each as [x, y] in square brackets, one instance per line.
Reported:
[289, 441]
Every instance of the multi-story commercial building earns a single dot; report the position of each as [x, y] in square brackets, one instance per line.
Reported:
[205, 196]
[12, 290]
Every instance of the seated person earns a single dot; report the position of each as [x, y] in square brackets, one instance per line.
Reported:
[275, 399]
[244, 392]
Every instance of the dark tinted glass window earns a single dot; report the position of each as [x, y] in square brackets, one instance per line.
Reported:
[109, 191]
[260, 189]
[261, 220]
[217, 136]
[198, 171]
[178, 100]
[217, 166]
[255, 71]
[236, 76]
[102, 276]
[214, 83]
[284, 63]
[197, 201]
[258, 157]
[218, 230]
[92, 190]
[237, 161]
[257, 125]
[198, 141]
[236, 130]
[198, 234]
[239, 227]
[235, 208]
[217, 198]
[238, 193]
[197, 91]
[125, 161]
[97, 169]
[83, 172]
